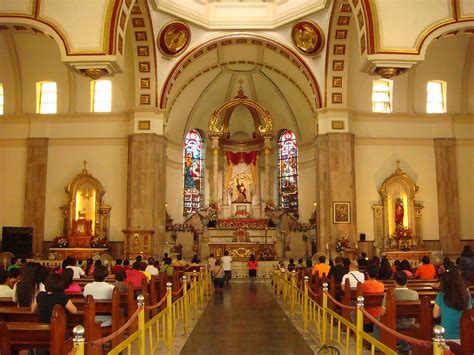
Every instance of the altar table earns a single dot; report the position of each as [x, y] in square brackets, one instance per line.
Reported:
[77, 253]
[413, 256]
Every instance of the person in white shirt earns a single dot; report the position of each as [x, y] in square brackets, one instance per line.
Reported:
[211, 261]
[5, 290]
[152, 267]
[227, 266]
[78, 272]
[100, 290]
[354, 275]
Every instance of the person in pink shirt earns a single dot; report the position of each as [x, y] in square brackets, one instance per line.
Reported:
[70, 286]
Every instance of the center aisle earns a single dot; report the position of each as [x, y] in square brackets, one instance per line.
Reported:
[245, 319]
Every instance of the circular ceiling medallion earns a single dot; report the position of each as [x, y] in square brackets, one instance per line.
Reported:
[307, 37]
[173, 38]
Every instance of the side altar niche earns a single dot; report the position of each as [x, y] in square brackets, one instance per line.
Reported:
[398, 216]
[86, 219]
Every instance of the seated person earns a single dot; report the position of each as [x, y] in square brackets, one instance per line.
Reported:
[402, 293]
[450, 302]
[300, 264]
[338, 270]
[363, 260]
[118, 266]
[5, 290]
[179, 262]
[135, 276]
[78, 272]
[120, 282]
[54, 294]
[426, 271]
[13, 277]
[100, 290]
[167, 267]
[406, 268]
[291, 265]
[70, 286]
[354, 275]
[372, 286]
[322, 267]
[13, 264]
[152, 268]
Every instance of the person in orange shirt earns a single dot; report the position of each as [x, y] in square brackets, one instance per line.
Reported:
[371, 286]
[322, 267]
[426, 271]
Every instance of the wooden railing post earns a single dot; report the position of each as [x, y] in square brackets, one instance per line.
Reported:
[438, 340]
[359, 324]
[305, 305]
[78, 339]
[325, 309]
[186, 304]
[169, 323]
[195, 294]
[141, 324]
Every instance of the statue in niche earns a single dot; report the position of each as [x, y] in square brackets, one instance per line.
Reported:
[241, 192]
[399, 212]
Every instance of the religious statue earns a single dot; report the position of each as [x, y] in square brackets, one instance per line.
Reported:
[399, 212]
[242, 192]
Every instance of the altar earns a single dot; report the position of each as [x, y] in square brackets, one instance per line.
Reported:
[413, 256]
[77, 253]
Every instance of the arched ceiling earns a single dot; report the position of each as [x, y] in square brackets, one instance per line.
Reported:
[270, 74]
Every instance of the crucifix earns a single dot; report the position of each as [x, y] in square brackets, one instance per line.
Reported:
[84, 170]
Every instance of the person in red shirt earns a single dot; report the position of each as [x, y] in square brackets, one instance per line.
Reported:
[426, 271]
[135, 276]
[252, 266]
[118, 266]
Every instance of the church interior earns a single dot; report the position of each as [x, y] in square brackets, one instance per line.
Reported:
[282, 129]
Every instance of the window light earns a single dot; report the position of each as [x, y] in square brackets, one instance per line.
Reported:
[436, 97]
[102, 96]
[382, 96]
[47, 97]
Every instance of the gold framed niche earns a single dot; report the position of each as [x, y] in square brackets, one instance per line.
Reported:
[85, 215]
[397, 206]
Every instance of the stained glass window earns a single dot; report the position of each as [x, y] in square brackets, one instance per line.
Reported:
[288, 171]
[193, 162]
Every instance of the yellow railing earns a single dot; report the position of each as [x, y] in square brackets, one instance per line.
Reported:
[156, 335]
[328, 327]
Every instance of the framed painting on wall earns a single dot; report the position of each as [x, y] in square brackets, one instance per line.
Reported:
[341, 212]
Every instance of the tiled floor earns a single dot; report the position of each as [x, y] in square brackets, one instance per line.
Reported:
[245, 319]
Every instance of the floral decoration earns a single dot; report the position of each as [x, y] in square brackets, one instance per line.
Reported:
[246, 223]
[240, 214]
[342, 244]
[404, 236]
[214, 211]
[179, 227]
[301, 227]
[99, 242]
[61, 242]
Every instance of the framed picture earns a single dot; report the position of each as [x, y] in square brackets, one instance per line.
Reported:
[341, 212]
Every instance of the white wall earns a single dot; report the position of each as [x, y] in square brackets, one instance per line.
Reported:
[375, 161]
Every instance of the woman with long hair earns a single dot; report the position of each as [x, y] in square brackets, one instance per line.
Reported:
[385, 271]
[69, 285]
[452, 299]
[89, 271]
[406, 268]
[25, 290]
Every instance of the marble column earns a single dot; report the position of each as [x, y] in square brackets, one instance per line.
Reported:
[215, 169]
[335, 182]
[266, 150]
[35, 190]
[146, 193]
[448, 196]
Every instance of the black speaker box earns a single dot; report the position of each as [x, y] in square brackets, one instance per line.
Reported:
[18, 240]
[362, 237]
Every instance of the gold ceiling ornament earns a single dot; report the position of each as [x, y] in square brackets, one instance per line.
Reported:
[174, 38]
[307, 37]
[262, 120]
[94, 73]
[389, 72]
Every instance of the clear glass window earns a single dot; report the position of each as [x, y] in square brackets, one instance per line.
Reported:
[102, 96]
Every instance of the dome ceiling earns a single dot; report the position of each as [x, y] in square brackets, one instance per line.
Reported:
[272, 76]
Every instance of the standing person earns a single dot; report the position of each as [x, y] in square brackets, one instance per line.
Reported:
[466, 264]
[227, 265]
[217, 273]
[426, 271]
[54, 294]
[100, 290]
[452, 300]
[252, 266]
[211, 261]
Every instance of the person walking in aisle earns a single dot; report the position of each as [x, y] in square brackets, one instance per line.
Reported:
[227, 266]
[252, 266]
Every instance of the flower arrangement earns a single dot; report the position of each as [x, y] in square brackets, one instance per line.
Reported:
[342, 244]
[214, 211]
[269, 208]
[301, 227]
[241, 214]
[60, 242]
[179, 227]
[404, 237]
[246, 223]
[99, 242]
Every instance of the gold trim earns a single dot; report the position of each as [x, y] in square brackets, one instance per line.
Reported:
[179, 51]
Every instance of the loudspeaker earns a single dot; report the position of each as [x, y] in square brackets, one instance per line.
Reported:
[362, 237]
[18, 240]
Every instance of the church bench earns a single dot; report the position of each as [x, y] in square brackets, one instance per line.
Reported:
[29, 335]
[6, 302]
[466, 326]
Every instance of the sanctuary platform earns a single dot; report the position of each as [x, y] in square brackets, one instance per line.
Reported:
[77, 253]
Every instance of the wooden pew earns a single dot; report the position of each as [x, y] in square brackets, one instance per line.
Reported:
[37, 335]
[466, 325]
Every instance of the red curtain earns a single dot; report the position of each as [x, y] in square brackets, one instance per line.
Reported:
[242, 157]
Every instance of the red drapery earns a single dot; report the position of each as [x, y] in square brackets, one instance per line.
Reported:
[242, 157]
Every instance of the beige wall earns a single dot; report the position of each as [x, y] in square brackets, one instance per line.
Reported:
[375, 161]
[12, 182]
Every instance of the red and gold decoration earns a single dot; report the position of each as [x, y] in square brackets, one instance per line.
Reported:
[308, 37]
[173, 38]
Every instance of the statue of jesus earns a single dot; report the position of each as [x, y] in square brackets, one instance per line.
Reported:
[242, 192]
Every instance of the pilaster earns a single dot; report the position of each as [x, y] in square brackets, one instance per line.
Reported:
[35, 189]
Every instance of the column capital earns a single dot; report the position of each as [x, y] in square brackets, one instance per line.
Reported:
[150, 120]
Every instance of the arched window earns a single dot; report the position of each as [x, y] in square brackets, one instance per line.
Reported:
[288, 171]
[193, 162]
